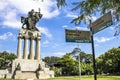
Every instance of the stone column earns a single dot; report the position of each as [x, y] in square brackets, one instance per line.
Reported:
[25, 56]
[32, 48]
[37, 56]
[19, 47]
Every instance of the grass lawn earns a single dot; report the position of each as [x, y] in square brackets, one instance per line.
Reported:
[86, 78]
[77, 78]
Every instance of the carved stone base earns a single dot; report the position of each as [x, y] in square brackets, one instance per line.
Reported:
[31, 69]
[45, 74]
[25, 75]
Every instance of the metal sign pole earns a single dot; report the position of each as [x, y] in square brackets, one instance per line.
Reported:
[93, 52]
[78, 51]
[79, 68]
[79, 63]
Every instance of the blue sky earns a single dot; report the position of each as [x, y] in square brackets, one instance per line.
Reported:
[52, 26]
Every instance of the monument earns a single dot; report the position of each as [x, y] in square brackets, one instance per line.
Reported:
[28, 64]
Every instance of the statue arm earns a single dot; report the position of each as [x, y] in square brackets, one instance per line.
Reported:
[40, 15]
[22, 21]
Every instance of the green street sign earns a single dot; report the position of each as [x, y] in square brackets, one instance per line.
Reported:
[77, 36]
[101, 23]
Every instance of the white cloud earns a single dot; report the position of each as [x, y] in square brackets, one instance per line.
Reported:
[112, 28]
[77, 27]
[48, 7]
[64, 26]
[102, 39]
[7, 35]
[45, 31]
[96, 45]
[12, 24]
[3, 4]
[46, 42]
[11, 10]
[71, 15]
[94, 18]
[82, 28]
[10, 20]
[55, 45]
[59, 53]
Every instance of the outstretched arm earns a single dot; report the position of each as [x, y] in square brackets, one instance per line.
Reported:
[22, 21]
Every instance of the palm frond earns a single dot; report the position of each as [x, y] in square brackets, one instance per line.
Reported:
[77, 5]
[61, 3]
[90, 7]
[80, 18]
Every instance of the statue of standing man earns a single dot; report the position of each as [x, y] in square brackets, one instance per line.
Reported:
[31, 20]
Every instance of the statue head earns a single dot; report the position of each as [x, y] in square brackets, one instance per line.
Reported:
[32, 10]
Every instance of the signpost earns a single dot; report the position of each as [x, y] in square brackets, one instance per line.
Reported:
[87, 36]
[77, 36]
[78, 51]
[93, 52]
[101, 23]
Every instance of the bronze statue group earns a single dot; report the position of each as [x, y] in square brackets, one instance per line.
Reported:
[31, 20]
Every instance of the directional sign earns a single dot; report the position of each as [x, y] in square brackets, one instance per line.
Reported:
[77, 36]
[102, 23]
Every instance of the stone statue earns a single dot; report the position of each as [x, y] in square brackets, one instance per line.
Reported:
[18, 67]
[31, 20]
[39, 68]
[38, 71]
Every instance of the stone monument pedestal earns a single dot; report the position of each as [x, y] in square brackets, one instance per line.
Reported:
[28, 64]
[31, 69]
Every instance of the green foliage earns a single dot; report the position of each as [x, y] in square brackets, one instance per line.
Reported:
[61, 3]
[57, 71]
[86, 69]
[70, 65]
[85, 58]
[50, 60]
[110, 60]
[97, 5]
[88, 8]
[6, 59]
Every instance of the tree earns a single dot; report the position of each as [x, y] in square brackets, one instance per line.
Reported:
[58, 71]
[6, 59]
[86, 69]
[110, 60]
[87, 58]
[51, 60]
[70, 65]
[85, 61]
[87, 8]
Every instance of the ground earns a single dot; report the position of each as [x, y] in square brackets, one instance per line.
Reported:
[82, 78]
[88, 78]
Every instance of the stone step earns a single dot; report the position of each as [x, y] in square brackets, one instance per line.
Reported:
[25, 75]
